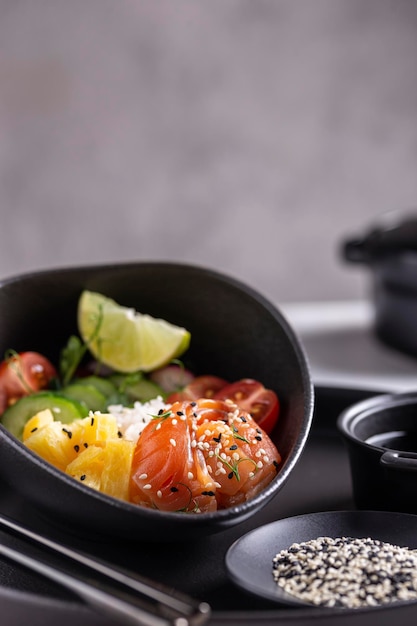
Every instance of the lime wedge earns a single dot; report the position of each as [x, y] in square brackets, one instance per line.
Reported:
[126, 340]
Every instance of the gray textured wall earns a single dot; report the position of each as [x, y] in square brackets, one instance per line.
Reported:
[250, 136]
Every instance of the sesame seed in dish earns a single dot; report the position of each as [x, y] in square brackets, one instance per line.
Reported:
[346, 572]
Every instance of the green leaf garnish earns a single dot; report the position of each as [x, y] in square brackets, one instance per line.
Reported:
[162, 416]
[73, 353]
[237, 436]
[234, 466]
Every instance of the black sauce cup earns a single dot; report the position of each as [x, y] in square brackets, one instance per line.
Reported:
[381, 438]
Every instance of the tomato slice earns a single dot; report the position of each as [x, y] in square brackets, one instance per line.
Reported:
[22, 374]
[199, 387]
[251, 396]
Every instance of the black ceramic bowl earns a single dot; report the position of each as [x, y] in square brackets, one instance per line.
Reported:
[236, 333]
[381, 438]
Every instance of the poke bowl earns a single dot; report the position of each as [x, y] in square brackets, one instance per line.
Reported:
[230, 332]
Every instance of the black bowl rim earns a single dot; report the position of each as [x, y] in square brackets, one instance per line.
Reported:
[366, 409]
[238, 512]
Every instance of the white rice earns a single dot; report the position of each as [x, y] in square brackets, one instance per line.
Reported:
[131, 421]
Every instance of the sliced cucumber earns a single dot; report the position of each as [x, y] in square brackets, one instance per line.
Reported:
[104, 385]
[141, 390]
[88, 395]
[64, 409]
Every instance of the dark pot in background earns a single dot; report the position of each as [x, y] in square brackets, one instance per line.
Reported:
[389, 250]
[381, 438]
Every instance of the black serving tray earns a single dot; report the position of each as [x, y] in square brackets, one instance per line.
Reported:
[320, 482]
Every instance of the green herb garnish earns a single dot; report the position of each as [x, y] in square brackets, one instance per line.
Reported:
[234, 470]
[74, 351]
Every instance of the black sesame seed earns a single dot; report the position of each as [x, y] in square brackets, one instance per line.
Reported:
[207, 493]
[83, 477]
[77, 448]
[174, 489]
[234, 447]
[33, 429]
[119, 434]
[346, 572]
[92, 421]
[180, 413]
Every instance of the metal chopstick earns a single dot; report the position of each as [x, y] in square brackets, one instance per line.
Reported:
[126, 596]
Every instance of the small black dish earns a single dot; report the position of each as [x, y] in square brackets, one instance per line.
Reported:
[249, 559]
[235, 333]
[381, 438]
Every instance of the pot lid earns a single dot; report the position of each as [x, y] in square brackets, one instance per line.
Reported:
[395, 233]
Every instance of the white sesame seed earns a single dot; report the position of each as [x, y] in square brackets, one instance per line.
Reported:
[173, 442]
[347, 572]
[159, 493]
[143, 476]
[174, 421]
[190, 476]
[147, 486]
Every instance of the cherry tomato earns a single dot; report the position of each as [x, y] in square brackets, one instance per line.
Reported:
[199, 387]
[22, 374]
[251, 396]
